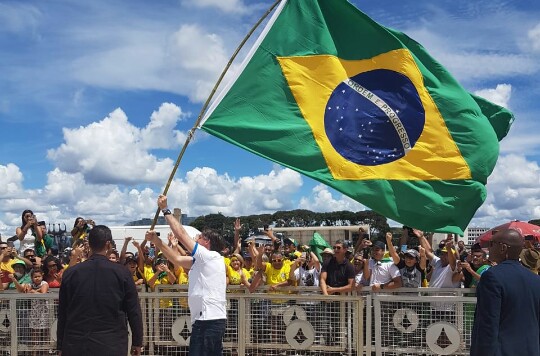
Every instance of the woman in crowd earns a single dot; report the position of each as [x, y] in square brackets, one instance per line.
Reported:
[113, 256]
[53, 270]
[28, 223]
[81, 228]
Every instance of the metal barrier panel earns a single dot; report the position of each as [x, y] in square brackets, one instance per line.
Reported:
[296, 323]
[439, 322]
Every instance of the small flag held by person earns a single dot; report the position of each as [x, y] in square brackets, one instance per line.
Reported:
[364, 109]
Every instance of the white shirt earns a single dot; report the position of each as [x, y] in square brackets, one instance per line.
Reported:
[382, 272]
[207, 285]
[307, 277]
[441, 277]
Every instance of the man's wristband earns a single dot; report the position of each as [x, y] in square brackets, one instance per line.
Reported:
[166, 212]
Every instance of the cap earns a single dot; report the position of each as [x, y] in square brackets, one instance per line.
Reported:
[290, 241]
[41, 223]
[445, 250]
[328, 251]
[379, 244]
[412, 253]
[130, 259]
[18, 262]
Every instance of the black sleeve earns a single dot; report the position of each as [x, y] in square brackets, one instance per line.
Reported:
[63, 299]
[350, 271]
[132, 308]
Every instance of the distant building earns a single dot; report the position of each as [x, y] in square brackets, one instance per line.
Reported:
[330, 233]
[469, 236]
[472, 233]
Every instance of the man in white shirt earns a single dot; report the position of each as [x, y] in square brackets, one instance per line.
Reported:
[381, 275]
[445, 275]
[207, 283]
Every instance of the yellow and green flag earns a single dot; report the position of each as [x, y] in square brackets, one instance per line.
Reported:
[332, 94]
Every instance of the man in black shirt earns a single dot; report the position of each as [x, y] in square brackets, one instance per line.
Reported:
[337, 277]
[95, 298]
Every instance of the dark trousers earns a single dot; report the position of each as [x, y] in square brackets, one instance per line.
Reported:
[207, 337]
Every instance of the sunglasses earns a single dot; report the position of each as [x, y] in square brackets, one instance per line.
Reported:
[277, 260]
[337, 247]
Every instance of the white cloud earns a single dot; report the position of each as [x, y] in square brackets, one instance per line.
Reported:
[205, 191]
[232, 6]
[322, 200]
[513, 192]
[201, 191]
[10, 181]
[114, 151]
[500, 95]
[186, 61]
[160, 132]
[534, 37]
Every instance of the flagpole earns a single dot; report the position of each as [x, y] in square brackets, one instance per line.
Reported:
[205, 106]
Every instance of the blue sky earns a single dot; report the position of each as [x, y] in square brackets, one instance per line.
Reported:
[96, 99]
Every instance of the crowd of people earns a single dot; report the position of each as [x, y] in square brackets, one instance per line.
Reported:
[251, 266]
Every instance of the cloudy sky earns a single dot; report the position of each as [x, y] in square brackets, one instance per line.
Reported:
[96, 99]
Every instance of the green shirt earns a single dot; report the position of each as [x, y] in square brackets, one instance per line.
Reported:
[26, 279]
[41, 247]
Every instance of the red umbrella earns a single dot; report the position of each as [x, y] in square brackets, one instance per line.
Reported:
[524, 228]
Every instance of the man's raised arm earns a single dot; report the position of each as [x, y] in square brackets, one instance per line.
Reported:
[176, 227]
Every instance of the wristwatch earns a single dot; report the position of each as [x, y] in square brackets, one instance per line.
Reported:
[166, 212]
[382, 285]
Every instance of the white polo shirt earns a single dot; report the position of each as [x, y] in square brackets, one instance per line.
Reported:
[207, 285]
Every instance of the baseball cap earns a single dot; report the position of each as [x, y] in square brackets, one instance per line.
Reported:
[413, 253]
[130, 259]
[445, 250]
[290, 241]
[18, 262]
[379, 244]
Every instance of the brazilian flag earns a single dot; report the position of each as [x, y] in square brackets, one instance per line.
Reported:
[364, 109]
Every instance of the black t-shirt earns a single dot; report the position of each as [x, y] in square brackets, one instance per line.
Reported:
[338, 274]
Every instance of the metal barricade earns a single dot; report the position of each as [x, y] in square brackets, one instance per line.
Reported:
[431, 321]
[298, 321]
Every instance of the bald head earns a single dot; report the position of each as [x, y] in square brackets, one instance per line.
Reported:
[506, 245]
[510, 237]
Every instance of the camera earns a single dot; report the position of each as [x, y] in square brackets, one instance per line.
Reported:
[265, 227]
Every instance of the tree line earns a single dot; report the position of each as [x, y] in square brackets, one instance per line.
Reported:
[293, 218]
